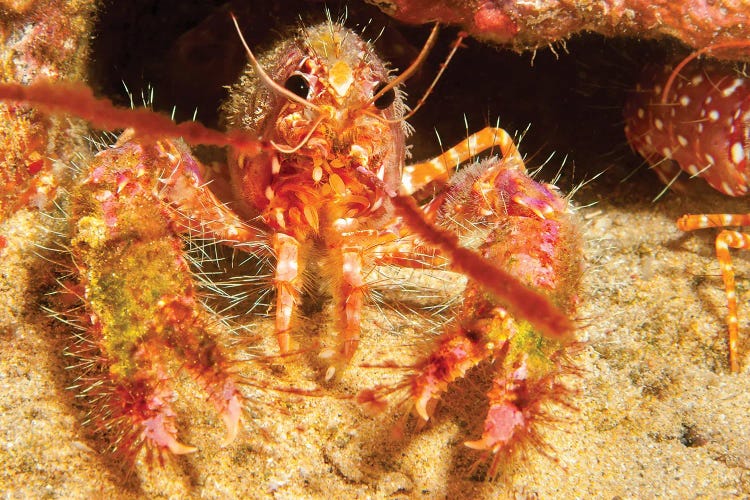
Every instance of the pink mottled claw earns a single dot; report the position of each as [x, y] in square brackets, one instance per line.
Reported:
[500, 426]
[528, 229]
[162, 435]
[504, 418]
[231, 417]
[140, 302]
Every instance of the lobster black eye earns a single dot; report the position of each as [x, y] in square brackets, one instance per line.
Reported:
[386, 99]
[297, 84]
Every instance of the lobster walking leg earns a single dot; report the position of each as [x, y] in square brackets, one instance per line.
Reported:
[724, 241]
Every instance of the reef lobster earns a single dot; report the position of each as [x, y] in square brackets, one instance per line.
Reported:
[316, 136]
[696, 117]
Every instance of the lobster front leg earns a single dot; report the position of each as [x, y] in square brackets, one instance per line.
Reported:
[288, 281]
[350, 298]
[349, 291]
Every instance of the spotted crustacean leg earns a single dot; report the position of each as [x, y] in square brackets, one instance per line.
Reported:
[724, 241]
[350, 296]
[417, 176]
[139, 301]
[527, 228]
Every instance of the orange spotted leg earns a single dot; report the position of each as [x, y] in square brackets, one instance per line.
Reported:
[724, 241]
[417, 176]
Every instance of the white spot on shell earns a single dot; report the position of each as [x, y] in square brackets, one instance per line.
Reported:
[641, 113]
[684, 100]
[730, 90]
[682, 140]
[697, 80]
[713, 115]
[667, 152]
[658, 124]
[727, 189]
[692, 169]
[710, 159]
[737, 153]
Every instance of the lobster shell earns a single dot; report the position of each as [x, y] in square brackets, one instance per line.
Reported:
[703, 125]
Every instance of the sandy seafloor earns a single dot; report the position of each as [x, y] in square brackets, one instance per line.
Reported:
[658, 415]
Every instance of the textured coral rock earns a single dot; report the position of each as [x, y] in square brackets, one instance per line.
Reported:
[525, 24]
[39, 40]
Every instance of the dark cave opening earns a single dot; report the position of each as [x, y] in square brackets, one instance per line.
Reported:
[569, 97]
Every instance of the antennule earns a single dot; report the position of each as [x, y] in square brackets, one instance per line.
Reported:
[440, 72]
[412, 67]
